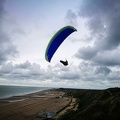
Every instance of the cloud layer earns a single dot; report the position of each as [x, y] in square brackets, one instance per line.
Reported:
[7, 49]
[98, 57]
[103, 21]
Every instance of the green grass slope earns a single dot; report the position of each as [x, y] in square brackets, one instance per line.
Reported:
[94, 104]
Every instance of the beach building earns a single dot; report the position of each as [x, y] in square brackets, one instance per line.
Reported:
[47, 115]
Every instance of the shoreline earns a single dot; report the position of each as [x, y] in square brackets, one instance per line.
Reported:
[25, 96]
[22, 93]
[30, 106]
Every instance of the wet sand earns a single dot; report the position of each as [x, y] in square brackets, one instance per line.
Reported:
[29, 106]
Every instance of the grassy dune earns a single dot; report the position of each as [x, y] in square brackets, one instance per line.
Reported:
[94, 104]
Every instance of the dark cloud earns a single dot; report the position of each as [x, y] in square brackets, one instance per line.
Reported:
[86, 53]
[24, 65]
[109, 58]
[71, 17]
[33, 71]
[103, 20]
[1, 8]
[7, 49]
[6, 69]
[102, 70]
[89, 8]
[21, 71]
[83, 75]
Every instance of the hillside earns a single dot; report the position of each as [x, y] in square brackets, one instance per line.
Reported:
[94, 104]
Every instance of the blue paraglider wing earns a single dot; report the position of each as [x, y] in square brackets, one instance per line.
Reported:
[56, 41]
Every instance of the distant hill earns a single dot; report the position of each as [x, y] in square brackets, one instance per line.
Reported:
[94, 104]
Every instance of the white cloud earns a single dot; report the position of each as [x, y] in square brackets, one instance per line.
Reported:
[92, 52]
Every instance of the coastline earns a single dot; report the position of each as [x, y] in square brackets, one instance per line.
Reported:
[7, 91]
[29, 107]
[24, 96]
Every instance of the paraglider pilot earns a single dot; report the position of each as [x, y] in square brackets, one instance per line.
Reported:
[65, 63]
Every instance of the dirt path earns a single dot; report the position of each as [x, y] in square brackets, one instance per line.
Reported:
[71, 106]
[109, 92]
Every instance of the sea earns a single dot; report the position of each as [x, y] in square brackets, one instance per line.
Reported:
[9, 91]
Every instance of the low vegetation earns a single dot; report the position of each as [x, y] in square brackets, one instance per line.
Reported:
[94, 104]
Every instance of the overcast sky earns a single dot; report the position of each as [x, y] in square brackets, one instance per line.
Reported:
[93, 52]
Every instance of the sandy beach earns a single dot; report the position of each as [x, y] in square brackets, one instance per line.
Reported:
[29, 107]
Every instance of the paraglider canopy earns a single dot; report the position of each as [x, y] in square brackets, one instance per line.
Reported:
[56, 41]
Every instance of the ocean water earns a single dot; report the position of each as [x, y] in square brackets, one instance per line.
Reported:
[8, 91]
